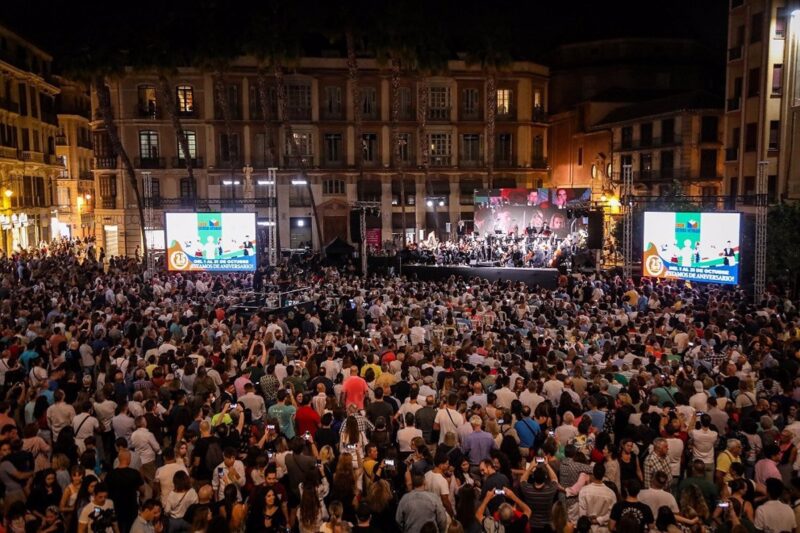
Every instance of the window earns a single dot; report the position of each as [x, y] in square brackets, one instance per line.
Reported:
[147, 101]
[470, 151]
[772, 189]
[191, 140]
[184, 97]
[404, 94]
[667, 164]
[256, 107]
[108, 191]
[708, 164]
[627, 137]
[646, 165]
[668, 131]
[369, 146]
[188, 188]
[538, 150]
[734, 187]
[369, 103]
[229, 149]
[753, 82]
[646, 134]
[155, 185]
[333, 187]
[22, 90]
[749, 185]
[580, 156]
[709, 129]
[305, 147]
[503, 101]
[505, 149]
[470, 103]
[777, 79]
[780, 23]
[439, 103]
[263, 151]
[440, 149]
[333, 148]
[750, 137]
[403, 149]
[537, 99]
[233, 104]
[148, 144]
[298, 100]
[756, 27]
[774, 134]
[737, 87]
[34, 103]
[333, 102]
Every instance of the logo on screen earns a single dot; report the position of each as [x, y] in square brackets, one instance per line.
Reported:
[655, 266]
[179, 260]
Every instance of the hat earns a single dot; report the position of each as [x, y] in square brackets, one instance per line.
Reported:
[698, 386]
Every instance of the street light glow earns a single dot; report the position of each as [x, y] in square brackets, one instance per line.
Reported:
[265, 182]
[9, 193]
[301, 223]
[430, 203]
[796, 12]
[299, 182]
[441, 203]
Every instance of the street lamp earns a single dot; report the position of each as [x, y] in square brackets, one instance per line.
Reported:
[9, 193]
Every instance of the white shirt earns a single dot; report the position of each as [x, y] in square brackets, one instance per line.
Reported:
[595, 499]
[123, 426]
[504, 398]
[703, 441]
[84, 428]
[176, 504]
[105, 412]
[220, 478]
[255, 403]
[405, 436]
[655, 499]
[145, 444]
[674, 455]
[699, 401]
[448, 420]
[164, 477]
[774, 517]
[531, 399]
[332, 368]
[552, 390]
[437, 484]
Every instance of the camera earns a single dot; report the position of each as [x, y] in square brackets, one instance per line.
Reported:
[102, 519]
[271, 427]
[540, 460]
[499, 492]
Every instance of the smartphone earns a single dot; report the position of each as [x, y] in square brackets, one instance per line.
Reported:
[220, 470]
[501, 421]
[351, 447]
[499, 492]
[307, 435]
[232, 405]
[319, 463]
[270, 427]
[551, 433]
[724, 505]
[540, 460]
[389, 462]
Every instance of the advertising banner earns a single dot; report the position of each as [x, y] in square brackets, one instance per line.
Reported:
[211, 242]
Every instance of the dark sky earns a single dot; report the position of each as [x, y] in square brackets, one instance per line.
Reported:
[533, 27]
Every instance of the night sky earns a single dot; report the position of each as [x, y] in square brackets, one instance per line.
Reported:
[532, 27]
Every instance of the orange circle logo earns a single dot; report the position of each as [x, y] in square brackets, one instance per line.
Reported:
[179, 260]
[655, 266]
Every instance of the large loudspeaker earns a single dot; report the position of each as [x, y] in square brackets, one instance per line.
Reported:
[355, 226]
[595, 238]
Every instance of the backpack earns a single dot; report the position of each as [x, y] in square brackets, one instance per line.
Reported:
[214, 455]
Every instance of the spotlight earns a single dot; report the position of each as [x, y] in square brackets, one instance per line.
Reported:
[429, 203]
[441, 203]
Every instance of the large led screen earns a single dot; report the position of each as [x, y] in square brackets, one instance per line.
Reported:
[211, 242]
[692, 246]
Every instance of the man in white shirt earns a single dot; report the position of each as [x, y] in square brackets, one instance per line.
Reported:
[165, 473]
[448, 418]
[407, 434]
[60, 414]
[774, 516]
[702, 442]
[656, 497]
[122, 423]
[436, 483]
[417, 334]
[566, 431]
[552, 388]
[674, 452]
[145, 444]
[530, 397]
[254, 402]
[699, 400]
[229, 471]
[595, 500]
[504, 395]
[409, 406]
[478, 396]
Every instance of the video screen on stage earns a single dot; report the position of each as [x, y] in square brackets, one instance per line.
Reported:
[530, 211]
[211, 242]
[700, 247]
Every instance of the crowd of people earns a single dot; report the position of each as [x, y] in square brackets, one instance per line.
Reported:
[136, 403]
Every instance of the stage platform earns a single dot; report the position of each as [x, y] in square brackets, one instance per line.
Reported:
[543, 277]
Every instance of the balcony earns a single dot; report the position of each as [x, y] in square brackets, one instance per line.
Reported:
[298, 113]
[236, 113]
[49, 117]
[632, 145]
[52, 159]
[108, 202]
[105, 162]
[506, 115]
[735, 53]
[470, 114]
[505, 162]
[441, 160]
[32, 157]
[539, 114]
[539, 163]
[333, 163]
[294, 161]
[180, 162]
[331, 114]
[9, 105]
[85, 175]
[264, 162]
[61, 140]
[471, 163]
[439, 114]
[149, 162]
[187, 113]
[731, 154]
[732, 104]
[9, 152]
[85, 143]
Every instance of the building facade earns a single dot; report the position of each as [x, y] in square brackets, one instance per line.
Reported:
[321, 113]
[75, 183]
[28, 130]
[760, 103]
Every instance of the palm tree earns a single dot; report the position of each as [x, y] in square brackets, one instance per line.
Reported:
[355, 95]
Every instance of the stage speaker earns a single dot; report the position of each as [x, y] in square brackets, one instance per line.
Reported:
[595, 237]
[355, 226]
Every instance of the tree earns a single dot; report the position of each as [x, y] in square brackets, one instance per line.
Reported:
[783, 245]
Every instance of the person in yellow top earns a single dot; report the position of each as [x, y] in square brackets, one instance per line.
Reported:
[371, 364]
[633, 297]
[725, 459]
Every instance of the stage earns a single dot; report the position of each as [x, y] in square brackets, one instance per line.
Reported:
[543, 277]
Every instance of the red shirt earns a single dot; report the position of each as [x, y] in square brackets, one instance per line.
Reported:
[307, 419]
[354, 389]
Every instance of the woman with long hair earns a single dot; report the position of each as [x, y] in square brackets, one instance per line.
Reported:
[352, 440]
[45, 492]
[309, 514]
[84, 496]
[273, 520]
[69, 495]
[65, 444]
[629, 467]
[466, 504]
[345, 484]
[233, 511]
[383, 506]
[336, 518]
[178, 501]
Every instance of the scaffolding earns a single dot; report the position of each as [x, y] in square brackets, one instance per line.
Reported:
[363, 207]
[760, 252]
[272, 215]
[627, 221]
[149, 222]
